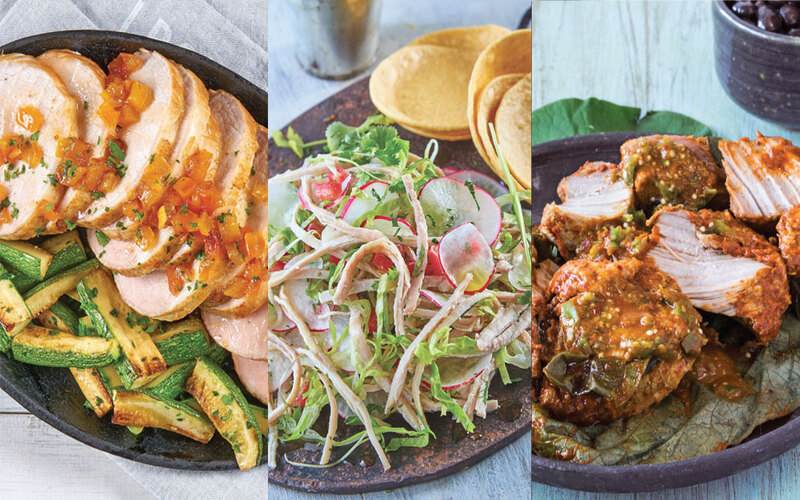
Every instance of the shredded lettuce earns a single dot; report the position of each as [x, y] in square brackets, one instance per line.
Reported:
[448, 403]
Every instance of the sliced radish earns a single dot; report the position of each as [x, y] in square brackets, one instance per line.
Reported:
[371, 194]
[280, 369]
[448, 203]
[437, 298]
[489, 184]
[282, 201]
[455, 372]
[448, 170]
[397, 229]
[314, 315]
[464, 250]
[342, 357]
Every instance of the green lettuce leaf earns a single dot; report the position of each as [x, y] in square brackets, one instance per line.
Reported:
[672, 431]
[571, 117]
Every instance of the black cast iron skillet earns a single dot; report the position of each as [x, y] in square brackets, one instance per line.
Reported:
[551, 162]
[50, 393]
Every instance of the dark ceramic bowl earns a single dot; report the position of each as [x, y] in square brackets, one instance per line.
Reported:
[758, 69]
[552, 161]
[50, 393]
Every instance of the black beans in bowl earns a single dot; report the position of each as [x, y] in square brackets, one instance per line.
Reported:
[775, 17]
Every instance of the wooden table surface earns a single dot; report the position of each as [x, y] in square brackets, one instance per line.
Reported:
[292, 91]
[656, 55]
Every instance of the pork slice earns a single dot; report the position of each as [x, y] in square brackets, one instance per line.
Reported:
[84, 81]
[149, 294]
[25, 82]
[253, 375]
[153, 135]
[722, 266]
[246, 336]
[593, 196]
[198, 132]
[218, 302]
[763, 177]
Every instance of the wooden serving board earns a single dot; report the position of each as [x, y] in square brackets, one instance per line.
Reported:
[450, 452]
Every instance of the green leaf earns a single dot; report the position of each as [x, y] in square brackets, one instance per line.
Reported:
[448, 403]
[571, 117]
[674, 430]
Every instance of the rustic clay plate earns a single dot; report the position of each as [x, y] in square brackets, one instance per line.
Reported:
[450, 452]
[50, 393]
[551, 162]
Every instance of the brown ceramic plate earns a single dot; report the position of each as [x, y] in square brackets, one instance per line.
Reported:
[450, 452]
[552, 161]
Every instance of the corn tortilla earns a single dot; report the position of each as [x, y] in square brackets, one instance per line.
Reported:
[487, 107]
[473, 38]
[424, 86]
[513, 126]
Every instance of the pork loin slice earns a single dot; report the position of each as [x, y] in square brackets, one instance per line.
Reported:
[245, 336]
[672, 170]
[594, 196]
[25, 82]
[153, 135]
[253, 375]
[218, 302]
[763, 177]
[149, 294]
[84, 81]
[723, 266]
[198, 132]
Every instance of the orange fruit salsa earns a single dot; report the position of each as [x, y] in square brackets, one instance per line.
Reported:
[16, 148]
[123, 99]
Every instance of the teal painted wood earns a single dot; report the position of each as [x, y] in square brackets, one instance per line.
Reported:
[292, 91]
[656, 55]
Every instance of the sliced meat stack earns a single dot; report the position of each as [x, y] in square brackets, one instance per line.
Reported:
[723, 266]
[763, 177]
[169, 178]
[594, 196]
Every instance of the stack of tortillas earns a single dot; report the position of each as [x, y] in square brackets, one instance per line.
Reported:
[451, 84]
[500, 93]
[424, 86]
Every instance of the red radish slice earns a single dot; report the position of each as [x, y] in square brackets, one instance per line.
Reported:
[448, 203]
[464, 250]
[437, 298]
[400, 231]
[489, 184]
[455, 372]
[281, 325]
[342, 357]
[367, 200]
[280, 369]
[282, 201]
[314, 315]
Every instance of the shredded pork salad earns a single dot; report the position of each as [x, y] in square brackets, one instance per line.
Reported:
[393, 288]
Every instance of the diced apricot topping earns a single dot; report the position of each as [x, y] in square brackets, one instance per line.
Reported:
[256, 246]
[139, 96]
[124, 65]
[127, 116]
[184, 186]
[29, 118]
[145, 237]
[260, 193]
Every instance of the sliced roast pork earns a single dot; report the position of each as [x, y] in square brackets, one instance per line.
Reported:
[672, 170]
[36, 107]
[789, 240]
[723, 266]
[594, 196]
[219, 302]
[763, 177]
[198, 134]
[245, 336]
[150, 294]
[253, 374]
[84, 81]
[153, 136]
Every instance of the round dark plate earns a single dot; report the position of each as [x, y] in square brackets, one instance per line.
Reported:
[551, 162]
[448, 453]
[51, 394]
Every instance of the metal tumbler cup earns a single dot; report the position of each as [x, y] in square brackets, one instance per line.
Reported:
[335, 39]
